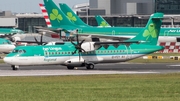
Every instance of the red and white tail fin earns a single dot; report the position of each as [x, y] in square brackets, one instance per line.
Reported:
[45, 14]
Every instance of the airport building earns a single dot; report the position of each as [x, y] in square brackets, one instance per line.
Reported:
[139, 7]
[8, 20]
[115, 12]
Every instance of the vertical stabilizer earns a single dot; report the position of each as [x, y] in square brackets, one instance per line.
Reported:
[101, 21]
[71, 15]
[151, 32]
[56, 16]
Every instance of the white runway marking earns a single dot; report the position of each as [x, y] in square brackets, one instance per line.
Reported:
[64, 72]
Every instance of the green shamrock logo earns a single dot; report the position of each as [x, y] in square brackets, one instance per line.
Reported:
[71, 17]
[103, 23]
[55, 15]
[151, 31]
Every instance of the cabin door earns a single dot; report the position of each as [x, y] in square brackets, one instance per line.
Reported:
[113, 32]
[128, 51]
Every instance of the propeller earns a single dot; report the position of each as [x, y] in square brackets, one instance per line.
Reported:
[78, 46]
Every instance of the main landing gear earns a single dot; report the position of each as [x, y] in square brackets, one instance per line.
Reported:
[88, 66]
[14, 67]
[70, 67]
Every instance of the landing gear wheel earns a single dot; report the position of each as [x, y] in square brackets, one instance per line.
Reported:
[70, 67]
[90, 66]
[14, 67]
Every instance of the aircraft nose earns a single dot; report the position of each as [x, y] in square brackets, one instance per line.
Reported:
[12, 47]
[7, 60]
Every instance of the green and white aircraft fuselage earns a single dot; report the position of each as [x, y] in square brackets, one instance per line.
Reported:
[6, 46]
[87, 54]
[11, 33]
[62, 54]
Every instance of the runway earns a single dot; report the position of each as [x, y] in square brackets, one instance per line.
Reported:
[117, 68]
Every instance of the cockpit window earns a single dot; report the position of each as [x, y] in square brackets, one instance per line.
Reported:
[15, 51]
[19, 51]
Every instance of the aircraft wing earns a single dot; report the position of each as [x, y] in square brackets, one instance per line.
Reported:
[49, 31]
[106, 37]
[6, 35]
[35, 42]
[115, 44]
[120, 42]
[56, 29]
[92, 46]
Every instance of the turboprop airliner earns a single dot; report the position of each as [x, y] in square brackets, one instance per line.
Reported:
[6, 46]
[59, 20]
[11, 34]
[87, 54]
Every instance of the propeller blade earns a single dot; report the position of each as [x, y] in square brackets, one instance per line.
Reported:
[77, 38]
[82, 42]
[74, 52]
[41, 39]
[79, 56]
[83, 50]
[36, 40]
[73, 43]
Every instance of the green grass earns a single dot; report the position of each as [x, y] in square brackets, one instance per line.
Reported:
[152, 87]
[1, 61]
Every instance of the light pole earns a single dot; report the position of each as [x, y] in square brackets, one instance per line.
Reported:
[172, 21]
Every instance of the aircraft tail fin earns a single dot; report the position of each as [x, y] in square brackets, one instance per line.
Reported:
[56, 16]
[71, 15]
[101, 21]
[151, 32]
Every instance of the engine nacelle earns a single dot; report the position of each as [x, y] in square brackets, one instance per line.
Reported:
[89, 46]
[14, 39]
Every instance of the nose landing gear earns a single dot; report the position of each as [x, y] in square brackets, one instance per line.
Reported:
[14, 67]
